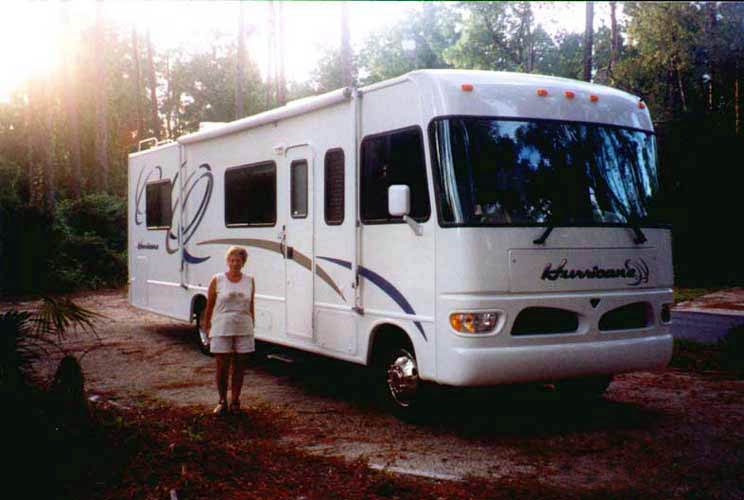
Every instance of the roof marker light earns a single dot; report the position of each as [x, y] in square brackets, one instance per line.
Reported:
[569, 94]
[467, 87]
[594, 98]
[542, 92]
[641, 105]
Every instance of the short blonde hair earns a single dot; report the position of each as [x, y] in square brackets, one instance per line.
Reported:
[242, 252]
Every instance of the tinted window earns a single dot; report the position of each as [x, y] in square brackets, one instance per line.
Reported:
[158, 200]
[334, 186]
[490, 171]
[250, 194]
[394, 158]
[298, 181]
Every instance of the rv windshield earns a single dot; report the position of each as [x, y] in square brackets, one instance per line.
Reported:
[509, 172]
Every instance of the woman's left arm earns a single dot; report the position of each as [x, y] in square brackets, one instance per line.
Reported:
[253, 301]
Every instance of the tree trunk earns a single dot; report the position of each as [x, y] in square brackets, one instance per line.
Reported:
[270, 59]
[713, 52]
[137, 84]
[240, 67]
[681, 86]
[588, 41]
[70, 96]
[169, 97]
[737, 105]
[614, 45]
[155, 117]
[101, 138]
[281, 84]
[346, 71]
[33, 138]
[48, 146]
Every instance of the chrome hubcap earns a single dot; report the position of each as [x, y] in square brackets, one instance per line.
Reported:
[402, 378]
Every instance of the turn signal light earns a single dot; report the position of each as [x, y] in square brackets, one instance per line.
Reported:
[474, 322]
[467, 87]
[542, 92]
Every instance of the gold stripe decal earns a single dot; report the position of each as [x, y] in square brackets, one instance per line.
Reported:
[272, 246]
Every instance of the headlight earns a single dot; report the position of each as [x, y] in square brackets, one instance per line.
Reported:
[474, 322]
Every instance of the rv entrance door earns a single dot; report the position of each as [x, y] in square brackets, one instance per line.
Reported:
[299, 249]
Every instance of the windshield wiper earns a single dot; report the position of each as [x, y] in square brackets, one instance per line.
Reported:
[543, 237]
[640, 238]
[551, 224]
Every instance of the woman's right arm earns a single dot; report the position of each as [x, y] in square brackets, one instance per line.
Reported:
[211, 298]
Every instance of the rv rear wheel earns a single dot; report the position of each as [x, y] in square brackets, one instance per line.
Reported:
[584, 389]
[201, 335]
[398, 385]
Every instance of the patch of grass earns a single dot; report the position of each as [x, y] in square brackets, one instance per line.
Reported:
[725, 356]
[685, 294]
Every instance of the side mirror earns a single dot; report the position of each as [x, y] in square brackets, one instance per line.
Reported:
[399, 200]
[399, 205]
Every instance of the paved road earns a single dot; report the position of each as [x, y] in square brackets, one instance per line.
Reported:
[702, 327]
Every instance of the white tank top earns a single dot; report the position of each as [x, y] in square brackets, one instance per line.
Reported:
[232, 309]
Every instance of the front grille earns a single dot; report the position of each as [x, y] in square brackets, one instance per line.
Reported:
[627, 317]
[545, 321]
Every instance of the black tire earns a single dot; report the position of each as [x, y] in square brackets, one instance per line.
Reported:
[200, 335]
[398, 387]
[584, 389]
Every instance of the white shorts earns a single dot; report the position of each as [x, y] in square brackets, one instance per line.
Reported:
[241, 344]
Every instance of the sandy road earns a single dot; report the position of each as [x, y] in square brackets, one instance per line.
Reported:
[675, 429]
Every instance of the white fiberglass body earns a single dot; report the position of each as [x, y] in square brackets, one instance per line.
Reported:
[502, 160]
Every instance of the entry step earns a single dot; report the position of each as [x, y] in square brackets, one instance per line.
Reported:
[284, 358]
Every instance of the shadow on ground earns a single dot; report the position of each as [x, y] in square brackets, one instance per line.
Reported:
[515, 410]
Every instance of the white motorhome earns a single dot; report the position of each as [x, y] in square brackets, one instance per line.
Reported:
[467, 228]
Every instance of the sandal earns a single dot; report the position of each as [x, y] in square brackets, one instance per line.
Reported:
[221, 408]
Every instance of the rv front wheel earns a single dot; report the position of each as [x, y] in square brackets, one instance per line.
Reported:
[399, 386]
[201, 335]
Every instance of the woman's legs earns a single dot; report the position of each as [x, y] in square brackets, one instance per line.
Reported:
[223, 369]
[239, 362]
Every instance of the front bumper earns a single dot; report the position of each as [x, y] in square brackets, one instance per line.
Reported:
[533, 363]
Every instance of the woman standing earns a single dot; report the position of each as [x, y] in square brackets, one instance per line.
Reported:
[229, 323]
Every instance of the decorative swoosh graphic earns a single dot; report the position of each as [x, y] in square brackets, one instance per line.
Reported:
[272, 246]
[200, 176]
[383, 285]
[139, 190]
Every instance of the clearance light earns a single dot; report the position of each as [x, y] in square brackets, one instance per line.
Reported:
[594, 98]
[542, 92]
[641, 105]
[569, 94]
[467, 87]
[470, 322]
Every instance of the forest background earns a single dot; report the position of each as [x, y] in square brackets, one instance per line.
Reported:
[64, 137]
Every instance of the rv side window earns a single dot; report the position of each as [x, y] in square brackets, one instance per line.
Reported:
[158, 202]
[298, 181]
[334, 186]
[393, 158]
[250, 195]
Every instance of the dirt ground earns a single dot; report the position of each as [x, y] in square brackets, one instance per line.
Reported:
[677, 432]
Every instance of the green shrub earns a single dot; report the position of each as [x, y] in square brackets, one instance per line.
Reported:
[82, 245]
[101, 215]
[87, 262]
